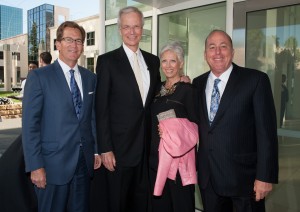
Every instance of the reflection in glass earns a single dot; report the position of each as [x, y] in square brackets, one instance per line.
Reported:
[272, 46]
[191, 27]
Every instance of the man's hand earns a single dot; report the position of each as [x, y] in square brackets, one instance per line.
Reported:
[185, 79]
[97, 162]
[38, 177]
[261, 189]
[108, 160]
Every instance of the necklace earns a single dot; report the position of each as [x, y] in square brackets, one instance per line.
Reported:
[164, 91]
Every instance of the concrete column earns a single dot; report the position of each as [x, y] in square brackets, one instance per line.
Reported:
[154, 32]
[102, 27]
[229, 17]
[14, 69]
[7, 67]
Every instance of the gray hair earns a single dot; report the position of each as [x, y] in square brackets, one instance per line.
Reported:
[127, 10]
[175, 47]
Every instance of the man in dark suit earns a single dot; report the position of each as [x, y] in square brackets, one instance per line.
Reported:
[238, 150]
[122, 114]
[58, 128]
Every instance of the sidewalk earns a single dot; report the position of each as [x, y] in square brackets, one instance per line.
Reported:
[10, 129]
[10, 123]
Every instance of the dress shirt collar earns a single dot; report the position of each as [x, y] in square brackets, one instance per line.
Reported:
[129, 52]
[223, 77]
[66, 68]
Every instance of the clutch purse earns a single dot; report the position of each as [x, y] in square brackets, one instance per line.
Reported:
[166, 115]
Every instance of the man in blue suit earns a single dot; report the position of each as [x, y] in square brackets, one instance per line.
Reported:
[58, 127]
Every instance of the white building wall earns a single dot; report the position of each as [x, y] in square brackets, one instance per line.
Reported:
[61, 14]
[18, 44]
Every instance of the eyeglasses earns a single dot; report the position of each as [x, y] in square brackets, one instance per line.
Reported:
[129, 28]
[71, 40]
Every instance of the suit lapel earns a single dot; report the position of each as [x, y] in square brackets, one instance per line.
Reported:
[63, 83]
[152, 80]
[228, 95]
[202, 97]
[65, 89]
[126, 67]
[84, 81]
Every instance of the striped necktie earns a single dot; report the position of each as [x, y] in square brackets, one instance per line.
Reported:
[76, 96]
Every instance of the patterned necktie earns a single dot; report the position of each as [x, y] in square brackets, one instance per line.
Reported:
[76, 96]
[215, 101]
[138, 74]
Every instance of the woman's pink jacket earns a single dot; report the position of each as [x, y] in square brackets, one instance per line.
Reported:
[176, 152]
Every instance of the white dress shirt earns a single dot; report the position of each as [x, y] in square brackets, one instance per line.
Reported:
[66, 69]
[221, 85]
[143, 68]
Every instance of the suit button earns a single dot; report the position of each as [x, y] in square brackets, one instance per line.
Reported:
[210, 150]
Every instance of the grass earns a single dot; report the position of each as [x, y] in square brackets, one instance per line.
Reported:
[9, 93]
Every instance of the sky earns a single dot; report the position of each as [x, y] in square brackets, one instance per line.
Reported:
[78, 8]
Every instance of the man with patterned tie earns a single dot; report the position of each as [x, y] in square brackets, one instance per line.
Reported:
[238, 150]
[58, 127]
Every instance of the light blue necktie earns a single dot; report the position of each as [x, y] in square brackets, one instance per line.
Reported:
[215, 101]
[76, 96]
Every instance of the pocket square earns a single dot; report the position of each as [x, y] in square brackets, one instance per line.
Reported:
[91, 92]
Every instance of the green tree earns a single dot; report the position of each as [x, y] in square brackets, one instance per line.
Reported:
[33, 43]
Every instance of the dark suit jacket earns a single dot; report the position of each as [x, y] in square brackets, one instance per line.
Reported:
[241, 144]
[121, 118]
[51, 131]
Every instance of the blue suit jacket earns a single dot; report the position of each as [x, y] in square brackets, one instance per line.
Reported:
[51, 131]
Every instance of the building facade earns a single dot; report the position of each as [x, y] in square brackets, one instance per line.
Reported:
[11, 21]
[39, 19]
[13, 61]
[266, 36]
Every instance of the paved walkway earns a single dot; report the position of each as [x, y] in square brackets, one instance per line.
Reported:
[10, 129]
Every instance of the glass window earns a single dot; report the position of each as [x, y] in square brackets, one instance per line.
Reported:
[191, 27]
[113, 39]
[1, 75]
[18, 55]
[54, 47]
[18, 74]
[90, 38]
[90, 63]
[273, 46]
[112, 7]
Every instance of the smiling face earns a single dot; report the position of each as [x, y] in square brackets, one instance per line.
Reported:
[70, 52]
[171, 66]
[131, 30]
[218, 52]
